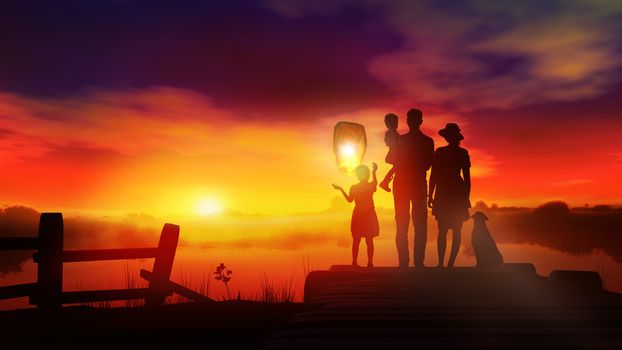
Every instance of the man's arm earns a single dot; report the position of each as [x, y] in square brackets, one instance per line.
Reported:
[428, 153]
[399, 151]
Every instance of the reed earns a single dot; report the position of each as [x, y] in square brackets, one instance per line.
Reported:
[133, 280]
[272, 292]
[602, 271]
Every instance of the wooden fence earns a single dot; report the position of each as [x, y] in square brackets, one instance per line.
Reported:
[47, 293]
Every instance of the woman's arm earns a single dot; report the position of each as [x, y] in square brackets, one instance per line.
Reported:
[466, 172]
[431, 186]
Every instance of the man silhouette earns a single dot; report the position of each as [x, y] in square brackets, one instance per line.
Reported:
[414, 158]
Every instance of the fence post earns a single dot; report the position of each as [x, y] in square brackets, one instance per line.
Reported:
[50, 266]
[163, 265]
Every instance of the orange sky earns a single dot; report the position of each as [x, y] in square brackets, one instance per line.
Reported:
[209, 102]
[164, 150]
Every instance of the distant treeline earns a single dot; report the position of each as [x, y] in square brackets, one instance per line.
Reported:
[555, 225]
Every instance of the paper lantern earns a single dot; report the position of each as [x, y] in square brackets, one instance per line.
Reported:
[349, 144]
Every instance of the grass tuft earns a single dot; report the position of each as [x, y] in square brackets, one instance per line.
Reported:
[602, 271]
[133, 280]
[271, 292]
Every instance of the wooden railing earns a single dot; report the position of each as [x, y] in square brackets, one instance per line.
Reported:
[47, 292]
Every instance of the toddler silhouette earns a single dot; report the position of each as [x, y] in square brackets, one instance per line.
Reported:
[391, 139]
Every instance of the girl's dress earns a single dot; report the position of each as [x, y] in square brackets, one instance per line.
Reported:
[364, 219]
[451, 201]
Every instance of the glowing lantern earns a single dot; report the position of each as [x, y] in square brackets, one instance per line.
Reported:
[349, 144]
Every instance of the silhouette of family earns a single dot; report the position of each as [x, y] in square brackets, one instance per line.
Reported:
[411, 155]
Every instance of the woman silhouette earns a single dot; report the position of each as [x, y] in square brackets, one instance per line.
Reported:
[450, 203]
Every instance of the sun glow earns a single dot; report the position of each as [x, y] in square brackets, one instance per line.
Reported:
[209, 207]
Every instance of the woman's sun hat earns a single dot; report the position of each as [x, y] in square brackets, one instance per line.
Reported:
[451, 131]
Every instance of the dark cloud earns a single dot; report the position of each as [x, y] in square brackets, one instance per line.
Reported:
[296, 59]
[470, 55]
[239, 53]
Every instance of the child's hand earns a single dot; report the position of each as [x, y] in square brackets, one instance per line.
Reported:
[374, 166]
[337, 187]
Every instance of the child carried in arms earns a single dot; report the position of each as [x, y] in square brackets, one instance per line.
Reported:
[391, 139]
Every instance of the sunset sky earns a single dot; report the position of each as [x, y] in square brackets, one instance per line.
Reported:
[203, 107]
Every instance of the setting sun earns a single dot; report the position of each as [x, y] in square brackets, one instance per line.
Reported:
[209, 207]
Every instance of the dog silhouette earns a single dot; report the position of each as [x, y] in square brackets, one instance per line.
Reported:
[486, 252]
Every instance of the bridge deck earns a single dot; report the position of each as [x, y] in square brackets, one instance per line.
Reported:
[390, 308]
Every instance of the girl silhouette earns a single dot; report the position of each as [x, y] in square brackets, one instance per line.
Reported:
[364, 219]
[450, 203]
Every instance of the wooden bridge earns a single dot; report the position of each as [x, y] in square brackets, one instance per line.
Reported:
[511, 308]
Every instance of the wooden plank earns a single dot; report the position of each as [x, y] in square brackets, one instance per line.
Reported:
[50, 268]
[16, 291]
[19, 243]
[576, 279]
[178, 288]
[445, 332]
[108, 254]
[466, 342]
[163, 264]
[104, 295]
[105, 254]
[526, 269]
[478, 303]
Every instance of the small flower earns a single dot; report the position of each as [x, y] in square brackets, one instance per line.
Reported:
[223, 274]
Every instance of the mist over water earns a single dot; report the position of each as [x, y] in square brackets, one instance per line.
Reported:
[282, 249]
